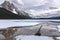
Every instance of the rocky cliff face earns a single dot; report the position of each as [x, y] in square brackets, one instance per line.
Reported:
[7, 5]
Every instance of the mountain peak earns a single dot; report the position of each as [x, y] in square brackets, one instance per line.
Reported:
[7, 5]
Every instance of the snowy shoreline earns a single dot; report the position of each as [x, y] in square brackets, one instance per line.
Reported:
[32, 37]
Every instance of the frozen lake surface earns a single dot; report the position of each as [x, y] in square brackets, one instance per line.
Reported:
[12, 23]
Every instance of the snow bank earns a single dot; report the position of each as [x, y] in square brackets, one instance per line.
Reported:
[58, 38]
[32, 37]
[58, 28]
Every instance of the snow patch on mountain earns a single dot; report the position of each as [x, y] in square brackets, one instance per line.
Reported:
[14, 11]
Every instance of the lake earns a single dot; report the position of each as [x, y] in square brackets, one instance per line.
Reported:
[10, 23]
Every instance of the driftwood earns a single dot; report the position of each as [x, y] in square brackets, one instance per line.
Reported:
[38, 32]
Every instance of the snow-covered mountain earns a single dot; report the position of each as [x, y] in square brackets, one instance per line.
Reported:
[10, 6]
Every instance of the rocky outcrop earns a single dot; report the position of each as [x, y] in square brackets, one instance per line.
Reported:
[7, 5]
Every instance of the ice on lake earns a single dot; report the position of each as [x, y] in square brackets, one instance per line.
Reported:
[12, 23]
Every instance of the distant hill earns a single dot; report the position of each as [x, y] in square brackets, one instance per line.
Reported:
[58, 17]
[5, 14]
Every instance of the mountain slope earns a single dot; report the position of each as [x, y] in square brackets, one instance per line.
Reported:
[5, 14]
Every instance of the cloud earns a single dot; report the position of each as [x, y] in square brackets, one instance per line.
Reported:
[30, 3]
[1, 1]
[56, 3]
[36, 14]
[43, 13]
[20, 2]
[17, 2]
[34, 3]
